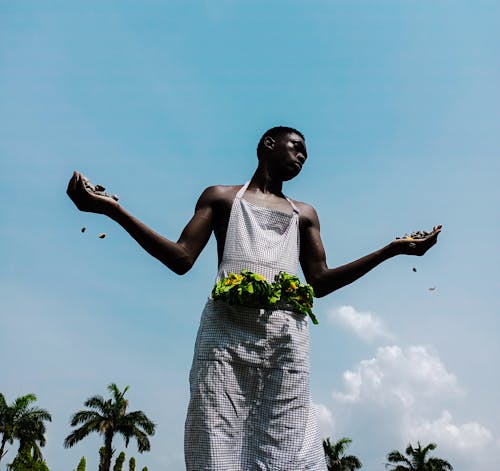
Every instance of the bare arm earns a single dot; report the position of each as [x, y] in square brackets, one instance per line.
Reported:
[325, 280]
[178, 256]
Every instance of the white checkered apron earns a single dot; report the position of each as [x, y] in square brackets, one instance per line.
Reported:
[250, 406]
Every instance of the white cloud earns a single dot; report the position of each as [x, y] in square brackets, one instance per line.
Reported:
[402, 396]
[465, 437]
[398, 376]
[365, 325]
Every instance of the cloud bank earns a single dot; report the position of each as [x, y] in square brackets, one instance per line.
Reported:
[399, 397]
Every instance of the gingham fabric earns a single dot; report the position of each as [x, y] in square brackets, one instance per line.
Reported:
[250, 407]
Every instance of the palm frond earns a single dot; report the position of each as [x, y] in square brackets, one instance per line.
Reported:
[37, 413]
[437, 464]
[80, 433]
[350, 462]
[116, 393]
[341, 445]
[396, 456]
[3, 402]
[142, 439]
[417, 459]
[96, 402]
[139, 419]
[410, 451]
[426, 449]
[22, 402]
[83, 416]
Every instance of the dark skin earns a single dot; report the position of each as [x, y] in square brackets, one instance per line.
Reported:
[281, 161]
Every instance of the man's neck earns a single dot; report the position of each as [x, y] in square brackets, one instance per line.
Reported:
[263, 182]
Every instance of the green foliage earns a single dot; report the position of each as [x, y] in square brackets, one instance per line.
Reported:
[131, 464]
[246, 289]
[119, 462]
[26, 461]
[253, 290]
[25, 423]
[336, 458]
[82, 464]
[416, 460]
[108, 418]
[299, 295]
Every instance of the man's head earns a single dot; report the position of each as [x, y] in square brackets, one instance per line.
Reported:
[282, 151]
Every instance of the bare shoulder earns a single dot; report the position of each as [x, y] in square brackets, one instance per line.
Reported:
[218, 194]
[308, 215]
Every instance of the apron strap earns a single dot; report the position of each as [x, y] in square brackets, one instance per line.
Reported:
[242, 190]
[295, 209]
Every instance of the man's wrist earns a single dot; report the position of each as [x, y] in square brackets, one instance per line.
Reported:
[389, 251]
[115, 212]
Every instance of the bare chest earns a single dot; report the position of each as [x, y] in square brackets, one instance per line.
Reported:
[269, 201]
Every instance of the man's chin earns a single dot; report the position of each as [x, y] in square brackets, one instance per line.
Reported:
[291, 175]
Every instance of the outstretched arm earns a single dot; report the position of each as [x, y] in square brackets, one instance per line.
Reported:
[178, 256]
[325, 280]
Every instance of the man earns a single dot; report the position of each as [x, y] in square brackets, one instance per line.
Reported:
[250, 407]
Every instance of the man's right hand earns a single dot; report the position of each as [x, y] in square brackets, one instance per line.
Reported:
[87, 201]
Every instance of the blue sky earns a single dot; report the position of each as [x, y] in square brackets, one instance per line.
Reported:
[399, 103]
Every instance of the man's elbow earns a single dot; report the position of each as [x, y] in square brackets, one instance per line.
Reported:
[179, 266]
[320, 285]
[182, 270]
[320, 291]
[317, 286]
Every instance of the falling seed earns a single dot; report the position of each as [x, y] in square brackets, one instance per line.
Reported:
[432, 289]
[115, 197]
[84, 229]
[414, 269]
[102, 235]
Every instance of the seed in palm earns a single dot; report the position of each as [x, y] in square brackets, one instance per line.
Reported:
[415, 235]
[97, 189]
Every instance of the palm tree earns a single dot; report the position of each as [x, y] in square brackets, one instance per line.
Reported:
[25, 423]
[109, 418]
[337, 459]
[5, 426]
[416, 460]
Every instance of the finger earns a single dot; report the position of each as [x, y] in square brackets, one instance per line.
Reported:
[80, 184]
[72, 183]
[436, 232]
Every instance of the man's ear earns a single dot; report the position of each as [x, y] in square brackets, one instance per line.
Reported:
[269, 143]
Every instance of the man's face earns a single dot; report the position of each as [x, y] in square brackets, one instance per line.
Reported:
[288, 156]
